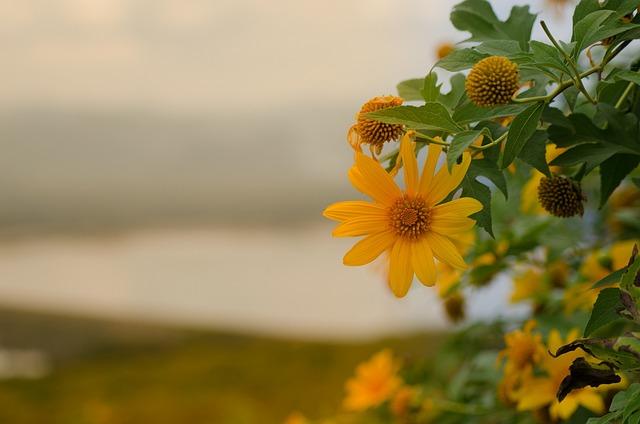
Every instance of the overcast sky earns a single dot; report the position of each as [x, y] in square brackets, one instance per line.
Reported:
[190, 55]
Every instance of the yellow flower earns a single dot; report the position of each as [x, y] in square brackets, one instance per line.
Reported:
[372, 132]
[492, 81]
[529, 197]
[413, 225]
[540, 391]
[528, 285]
[523, 349]
[375, 382]
[600, 263]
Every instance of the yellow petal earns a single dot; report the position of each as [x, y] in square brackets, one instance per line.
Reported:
[433, 154]
[407, 153]
[564, 409]
[591, 400]
[536, 394]
[361, 226]
[445, 251]
[400, 270]
[452, 226]
[343, 211]
[445, 182]
[423, 265]
[461, 207]
[369, 248]
[374, 181]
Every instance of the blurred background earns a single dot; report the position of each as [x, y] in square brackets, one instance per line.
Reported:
[163, 168]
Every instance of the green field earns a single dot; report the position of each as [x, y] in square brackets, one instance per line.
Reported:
[121, 372]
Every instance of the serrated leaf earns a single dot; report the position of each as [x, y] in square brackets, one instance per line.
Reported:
[431, 116]
[480, 192]
[457, 93]
[605, 310]
[469, 112]
[459, 144]
[430, 90]
[488, 169]
[521, 129]
[460, 59]
[534, 152]
[409, 90]
[477, 17]
[613, 171]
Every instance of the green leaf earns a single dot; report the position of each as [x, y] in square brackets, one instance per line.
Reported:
[477, 17]
[508, 48]
[480, 192]
[605, 310]
[610, 279]
[636, 181]
[630, 278]
[457, 93]
[431, 90]
[591, 154]
[488, 169]
[613, 171]
[459, 144]
[521, 129]
[471, 187]
[409, 90]
[469, 112]
[534, 152]
[460, 59]
[431, 116]
[584, 8]
[548, 55]
[585, 30]
[629, 76]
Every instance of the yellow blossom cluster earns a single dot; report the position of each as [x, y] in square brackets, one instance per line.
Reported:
[531, 376]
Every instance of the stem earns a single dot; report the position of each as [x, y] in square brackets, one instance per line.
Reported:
[625, 94]
[578, 79]
[559, 89]
[431, 140]
[493, 143]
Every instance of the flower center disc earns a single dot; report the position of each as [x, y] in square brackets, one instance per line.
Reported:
[410, 217]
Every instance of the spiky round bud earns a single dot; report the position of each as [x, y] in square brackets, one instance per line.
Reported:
[561, 196]
[372, 132]
[454, 306]
[492, 81]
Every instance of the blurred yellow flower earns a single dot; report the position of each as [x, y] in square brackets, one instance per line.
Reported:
[412, 225]
[522, 350]
[444, 49]
[600, 263]
[528, 285]
[375, 382]
[529, 195]
[296, 418]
